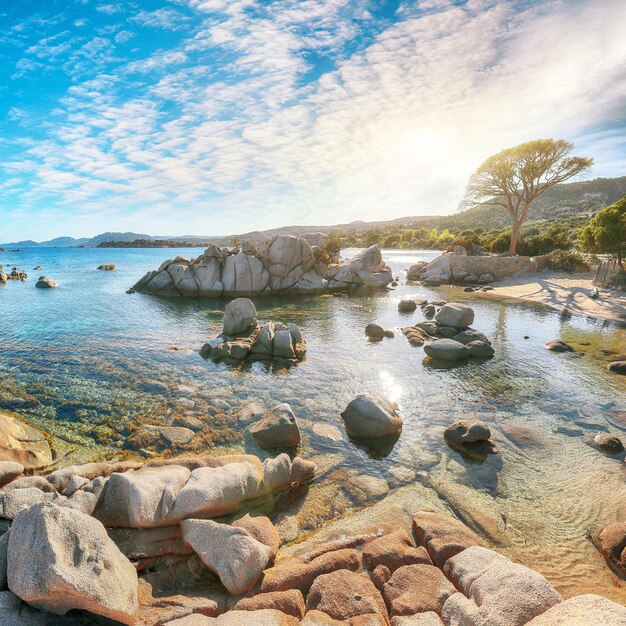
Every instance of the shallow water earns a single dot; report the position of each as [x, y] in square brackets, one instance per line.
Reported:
[90, 362]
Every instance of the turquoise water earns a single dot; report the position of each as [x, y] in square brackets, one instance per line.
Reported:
[92, 363]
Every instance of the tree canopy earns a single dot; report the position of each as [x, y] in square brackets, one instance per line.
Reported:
[606, 232]
[515, 177]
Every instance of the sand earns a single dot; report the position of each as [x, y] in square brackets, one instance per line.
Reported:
[564, 292]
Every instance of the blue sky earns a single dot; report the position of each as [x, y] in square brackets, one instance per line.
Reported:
[222, 116]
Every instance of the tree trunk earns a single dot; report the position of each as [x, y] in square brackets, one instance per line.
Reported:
[514, 236]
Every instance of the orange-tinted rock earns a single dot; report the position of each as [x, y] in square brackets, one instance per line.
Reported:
[417, 589]
[612, 543]
[380, 576]
[290, 602]
[262, 529]
[443, 535]
[394, 551]
[318, 618]
[298, 575]
[344, 594]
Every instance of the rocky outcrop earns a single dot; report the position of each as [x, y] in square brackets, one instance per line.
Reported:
[244, 338]
[283, 265]
[23, 444]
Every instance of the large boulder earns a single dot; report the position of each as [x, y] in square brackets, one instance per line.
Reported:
[46, 283]
[60, 559]
[456, 315]
[239, 316]
[372, 415]
[277, 428]
[499, 593]
[447, 350]
[232, 553]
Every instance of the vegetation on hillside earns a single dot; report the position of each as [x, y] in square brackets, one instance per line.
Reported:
[606, 232]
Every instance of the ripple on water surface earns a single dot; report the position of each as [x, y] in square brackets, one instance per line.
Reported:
[91, 363]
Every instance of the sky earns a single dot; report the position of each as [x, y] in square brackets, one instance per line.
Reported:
[208, 117]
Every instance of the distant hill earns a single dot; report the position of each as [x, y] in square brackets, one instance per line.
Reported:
[560, 202]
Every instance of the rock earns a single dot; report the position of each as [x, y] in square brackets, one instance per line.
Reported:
[380, 575]
[4, 549]
[480, 349]
[375, 332]
[23, 444]
[617, 367]
[9, 471]
[417, 589]
[428, 310]
[485, 279]
[46, 283]
[467, 336]
[302, 471]
[558, 346]
[171, 435]
[107, 267]
[442, 535]
[414, 272]
[407, 306]
[611, 542]
[499, 592]
[264, 617]
[430, 618]
[141, 499]
[143, 543]
[277, 428]
[232, 553]
[16, 500]
[60, 559]
[239, 316]
[30, 482]
[343, 594]
[468, 289]
[457, 315]
[261, 528]
[94, 472]
[608, 443]
[214, 491]
[295, 574]
[466, 431]
[372, 415]
[394, 551]
[389, 333]
[289, 602]
[447, 350]
[585, 610]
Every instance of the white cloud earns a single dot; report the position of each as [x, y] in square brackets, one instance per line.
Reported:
[223, 133]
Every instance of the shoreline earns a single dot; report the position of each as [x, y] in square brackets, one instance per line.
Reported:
[561, 292]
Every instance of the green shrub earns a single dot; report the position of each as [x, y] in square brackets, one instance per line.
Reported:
[568, 261]
[501, 243]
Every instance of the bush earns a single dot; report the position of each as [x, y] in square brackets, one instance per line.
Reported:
[501, 243]
[568, 261]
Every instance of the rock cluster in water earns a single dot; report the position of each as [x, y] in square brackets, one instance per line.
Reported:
[450, 335]
[14, 274]
[244, 338]
[283, 265]
[166, 543]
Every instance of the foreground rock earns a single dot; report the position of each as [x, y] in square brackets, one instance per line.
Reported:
[447, 350]
[585, 610]
[70, 563]
[372, 415]
[243, 338]
[46, 283]
[282, 265]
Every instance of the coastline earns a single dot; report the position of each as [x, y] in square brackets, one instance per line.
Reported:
[562, 292]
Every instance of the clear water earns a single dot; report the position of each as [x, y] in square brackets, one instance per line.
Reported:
[91, 363]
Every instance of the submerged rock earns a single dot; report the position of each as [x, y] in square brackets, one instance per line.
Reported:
[277, 428]
[608, 443]
[372, 415]
[466, 431]
[558, 346]
[611, 542]
[23, 444]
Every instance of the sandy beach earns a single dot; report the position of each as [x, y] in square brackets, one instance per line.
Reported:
[564, 292]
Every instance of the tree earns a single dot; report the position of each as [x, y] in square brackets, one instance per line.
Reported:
[515, 177]
[606, 232]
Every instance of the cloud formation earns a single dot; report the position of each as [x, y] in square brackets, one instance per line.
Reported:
[215, 116]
